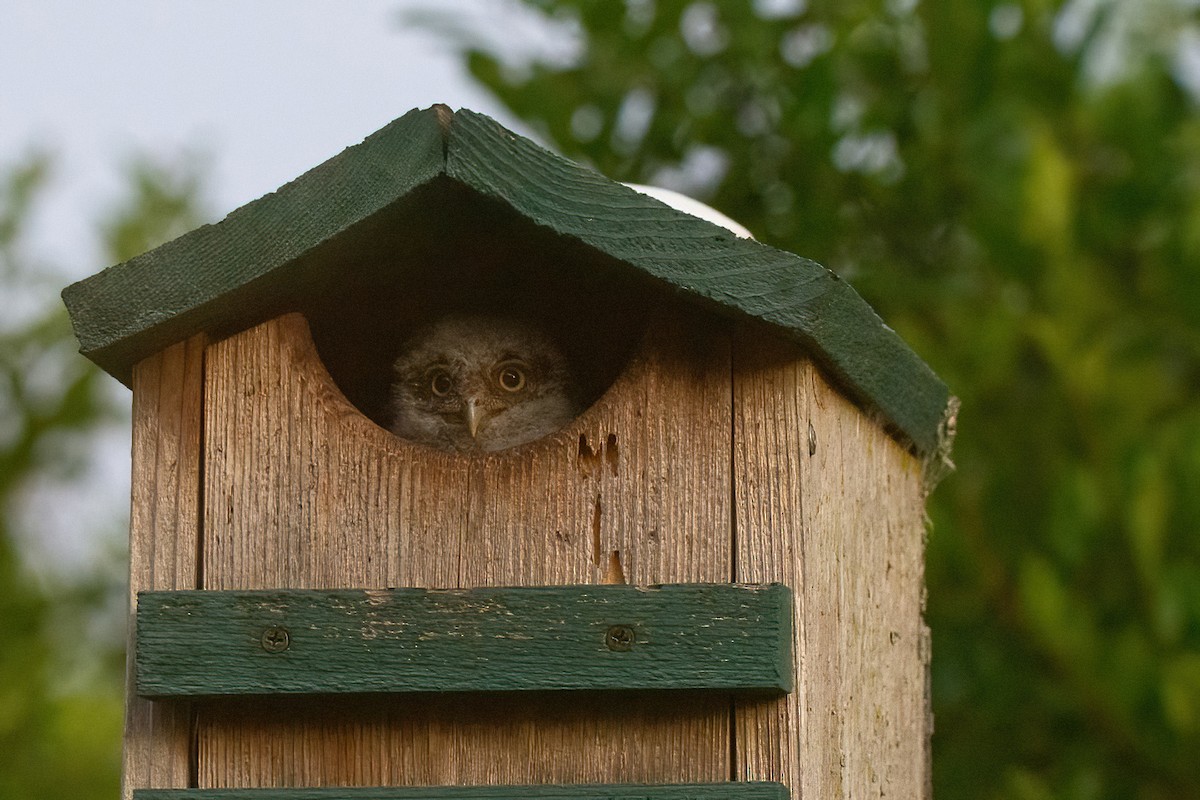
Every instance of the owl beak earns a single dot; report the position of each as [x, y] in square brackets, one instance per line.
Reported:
[471, 416]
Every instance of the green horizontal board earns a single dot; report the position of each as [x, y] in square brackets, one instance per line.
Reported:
[692, 636]
[687, 791]
[265, 257]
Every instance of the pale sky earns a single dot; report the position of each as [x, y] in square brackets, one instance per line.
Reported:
[264, 90]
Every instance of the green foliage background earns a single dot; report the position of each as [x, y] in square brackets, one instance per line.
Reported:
[61, 665]
[1014, 187]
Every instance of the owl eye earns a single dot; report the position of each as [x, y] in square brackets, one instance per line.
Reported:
[511, 378]
[440, 384]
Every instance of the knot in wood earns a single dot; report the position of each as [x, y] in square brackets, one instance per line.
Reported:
[619, 638]
[276, 639]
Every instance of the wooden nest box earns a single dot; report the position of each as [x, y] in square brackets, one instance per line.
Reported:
[709, 584]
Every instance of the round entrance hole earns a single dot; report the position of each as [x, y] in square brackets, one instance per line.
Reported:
[362, 329]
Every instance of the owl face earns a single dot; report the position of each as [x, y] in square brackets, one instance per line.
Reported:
[480, 383]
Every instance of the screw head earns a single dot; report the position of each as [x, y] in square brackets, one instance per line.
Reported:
[619, 638]
[276, 639]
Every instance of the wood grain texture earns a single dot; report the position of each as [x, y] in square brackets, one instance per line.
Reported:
[829, 504]
[229, 276]
[799, 298]
[720, 637]
[163, 544]
[695, 791]
[219, 275]
[302, 491]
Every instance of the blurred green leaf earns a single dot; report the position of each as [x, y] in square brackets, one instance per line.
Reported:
[61, 673]
[1181, 693]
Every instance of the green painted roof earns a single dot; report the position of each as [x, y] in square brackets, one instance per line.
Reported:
[229, 275]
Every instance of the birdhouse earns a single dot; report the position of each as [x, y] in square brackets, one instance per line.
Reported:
[706, 581]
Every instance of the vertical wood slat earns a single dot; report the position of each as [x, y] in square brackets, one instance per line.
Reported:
[829, 504]
[302, 491]
[163, 544]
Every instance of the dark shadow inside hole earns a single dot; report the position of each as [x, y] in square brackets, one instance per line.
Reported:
[447, 250]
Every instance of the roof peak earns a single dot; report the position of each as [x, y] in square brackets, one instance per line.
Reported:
[253, 263]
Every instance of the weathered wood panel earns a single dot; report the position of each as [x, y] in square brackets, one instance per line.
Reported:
[802, 300]
[301, 491]
[695, 791]
[163, 543]
[829, 504]
[223, 276]
[217, 276]
[724, 637]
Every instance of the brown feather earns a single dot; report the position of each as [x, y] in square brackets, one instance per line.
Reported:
[501, 374]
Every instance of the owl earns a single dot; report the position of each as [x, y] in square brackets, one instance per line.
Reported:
[480, 383]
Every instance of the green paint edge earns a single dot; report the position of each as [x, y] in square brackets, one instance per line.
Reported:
[233, 274]
[706, 263]
[217, 275]
[721, 637]
[756, 790]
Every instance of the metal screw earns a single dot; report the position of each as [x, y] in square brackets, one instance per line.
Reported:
[276, 639]
[619, 638]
